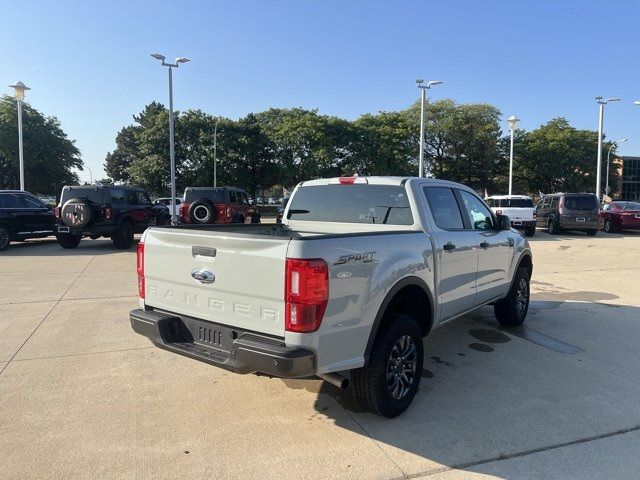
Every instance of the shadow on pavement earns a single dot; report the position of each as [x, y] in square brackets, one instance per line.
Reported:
[489, 393]
[48, 247]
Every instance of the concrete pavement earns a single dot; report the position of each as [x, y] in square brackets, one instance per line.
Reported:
[82, 396]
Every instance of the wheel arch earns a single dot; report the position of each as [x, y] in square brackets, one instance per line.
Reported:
[409, 296]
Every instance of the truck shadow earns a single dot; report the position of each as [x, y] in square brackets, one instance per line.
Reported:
[489, 393]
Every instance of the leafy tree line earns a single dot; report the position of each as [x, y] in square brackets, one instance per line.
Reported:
[464, 143]
[49, 156]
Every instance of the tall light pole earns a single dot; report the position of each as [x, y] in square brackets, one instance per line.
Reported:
[513, 122]
[606, 185]
[602, 102]
[178, 61]
[215, 155]
[423, 98]
[90, 175]
[19, 88]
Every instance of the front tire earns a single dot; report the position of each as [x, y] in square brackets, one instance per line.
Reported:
[387, 385]
[608, 226]
[66, 240]
[530, 232]
[512, 310]
[123, 237]
[552, 228]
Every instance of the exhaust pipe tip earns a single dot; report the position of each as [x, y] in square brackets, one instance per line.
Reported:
[335, 379]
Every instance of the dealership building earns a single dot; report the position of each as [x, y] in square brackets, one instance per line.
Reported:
[629, 185]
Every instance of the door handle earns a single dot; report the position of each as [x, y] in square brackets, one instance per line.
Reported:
[484, 245]
[449, 246]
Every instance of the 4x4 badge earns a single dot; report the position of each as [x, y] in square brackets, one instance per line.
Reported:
[202, 275]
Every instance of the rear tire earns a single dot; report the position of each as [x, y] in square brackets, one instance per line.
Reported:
[67, 240]
[5, 238]
[387, 385]
[552, 228]
[123, 237]
[512, 310]
[592, 233]
[530, 232]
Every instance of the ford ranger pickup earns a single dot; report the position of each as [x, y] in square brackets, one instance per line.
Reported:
[345, 288]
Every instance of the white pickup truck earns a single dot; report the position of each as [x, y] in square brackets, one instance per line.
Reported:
[519, 208]
[359, 271]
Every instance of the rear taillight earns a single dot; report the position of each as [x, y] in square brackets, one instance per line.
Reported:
[560, 206]
[498, 212]
[535, 214]
[140, 268]
[108, 213]
[56, 212]
[228, 212]
[306, 294]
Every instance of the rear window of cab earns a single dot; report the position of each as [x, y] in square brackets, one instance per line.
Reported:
[373, 204]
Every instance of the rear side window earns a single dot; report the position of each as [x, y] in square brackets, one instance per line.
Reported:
[31, 202]
[362, 203]
[117, 195]
[233, 197]
[580, 202]
[444, 208]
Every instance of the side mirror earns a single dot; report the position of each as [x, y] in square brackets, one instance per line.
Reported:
[504, 223]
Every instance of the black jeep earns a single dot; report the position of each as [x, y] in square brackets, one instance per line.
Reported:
[105, 211]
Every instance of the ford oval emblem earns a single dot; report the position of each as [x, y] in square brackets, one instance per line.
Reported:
[202, 275]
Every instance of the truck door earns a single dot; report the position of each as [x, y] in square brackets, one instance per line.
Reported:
[456, 254]
[495, 248]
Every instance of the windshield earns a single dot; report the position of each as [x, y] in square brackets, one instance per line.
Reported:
[516, 202]
[94, 194]
[386, 204]
[630, 205]
[580, 202]
[216, 195]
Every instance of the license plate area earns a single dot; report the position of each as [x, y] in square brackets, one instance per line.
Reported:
[63, 229]
[580, 219]
[517, 222]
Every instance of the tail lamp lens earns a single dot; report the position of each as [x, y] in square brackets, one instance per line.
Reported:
[108, 213]
[306, 294]
[56, 212]
[140, 268]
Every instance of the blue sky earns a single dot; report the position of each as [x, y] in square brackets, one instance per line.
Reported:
[89, 65]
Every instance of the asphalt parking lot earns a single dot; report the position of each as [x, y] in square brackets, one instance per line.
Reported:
[82, 396]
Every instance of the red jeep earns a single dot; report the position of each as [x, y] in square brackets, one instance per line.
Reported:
[217, 205]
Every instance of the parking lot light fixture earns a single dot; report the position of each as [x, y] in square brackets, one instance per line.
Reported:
[601, 101]
[423, 98]
[607, 189]
[19, 89]
[513, 122]
[171, 66]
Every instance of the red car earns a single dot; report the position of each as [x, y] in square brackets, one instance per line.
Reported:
[205, 205]
[621, 215]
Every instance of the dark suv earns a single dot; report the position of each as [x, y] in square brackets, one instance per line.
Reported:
[23, 216]
[217, 205]
[105, 211]
[569, 211]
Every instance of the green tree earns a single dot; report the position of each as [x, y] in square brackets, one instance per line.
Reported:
[49, 156]
[557, 157]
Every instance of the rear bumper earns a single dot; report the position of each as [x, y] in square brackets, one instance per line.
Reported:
[523, 224]
[91, 230]
[236, 350]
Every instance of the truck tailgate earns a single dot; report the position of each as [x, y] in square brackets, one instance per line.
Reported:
[247, 290]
